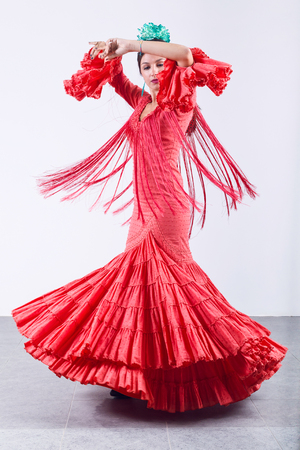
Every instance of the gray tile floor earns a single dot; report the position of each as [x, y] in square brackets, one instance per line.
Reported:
[39, 411]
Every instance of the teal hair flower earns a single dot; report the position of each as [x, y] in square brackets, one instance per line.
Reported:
[150, 31]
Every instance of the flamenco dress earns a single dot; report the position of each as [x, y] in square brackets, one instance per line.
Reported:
[150, 324]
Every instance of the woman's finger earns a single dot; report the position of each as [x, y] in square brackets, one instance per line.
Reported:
[111, 45]
[99, 43]
[111, 56]
[99, 46]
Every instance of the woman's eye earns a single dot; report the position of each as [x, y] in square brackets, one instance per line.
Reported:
[160, 65]
[146, 67]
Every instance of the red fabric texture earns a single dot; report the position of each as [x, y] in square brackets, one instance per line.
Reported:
[88, 81]
[150, 323]
[152, 329]
[177, 115]
[177, 84]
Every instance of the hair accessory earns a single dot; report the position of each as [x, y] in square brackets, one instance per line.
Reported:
[143, 90]
[150, 31]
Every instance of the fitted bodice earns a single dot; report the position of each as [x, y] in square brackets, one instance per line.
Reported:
[155, 133]
[155, 149]
[154, 143]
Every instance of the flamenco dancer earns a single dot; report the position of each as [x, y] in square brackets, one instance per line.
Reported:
[150, 324]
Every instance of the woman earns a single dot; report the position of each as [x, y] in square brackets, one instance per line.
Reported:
[150, 324]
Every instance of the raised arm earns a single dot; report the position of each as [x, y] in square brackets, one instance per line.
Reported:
[117, 47]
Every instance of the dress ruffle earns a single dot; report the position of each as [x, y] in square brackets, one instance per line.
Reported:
[150, 323]
[153, 329]
[95, 73]
[177, 84]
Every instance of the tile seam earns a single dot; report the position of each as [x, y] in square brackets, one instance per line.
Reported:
[266, 424]
[69, 412]
[295, 356]
[9, 358]
[168, 435]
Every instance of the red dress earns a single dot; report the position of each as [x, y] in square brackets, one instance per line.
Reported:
[150, 323]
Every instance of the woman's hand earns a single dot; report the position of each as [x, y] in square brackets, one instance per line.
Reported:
[116, 47]
[110, 49]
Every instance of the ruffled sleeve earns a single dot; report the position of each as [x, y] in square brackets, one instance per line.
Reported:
[177, 84]
[88, 81]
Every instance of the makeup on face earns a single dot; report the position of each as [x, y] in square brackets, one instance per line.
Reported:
[151, 65]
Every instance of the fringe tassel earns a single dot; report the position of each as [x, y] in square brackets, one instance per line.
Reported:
[224, 173]
[98, 168]
[151, 167]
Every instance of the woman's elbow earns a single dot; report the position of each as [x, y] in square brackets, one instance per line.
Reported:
[186, 58]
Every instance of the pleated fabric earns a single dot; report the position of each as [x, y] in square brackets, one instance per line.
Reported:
[153, 329]
[150, 323]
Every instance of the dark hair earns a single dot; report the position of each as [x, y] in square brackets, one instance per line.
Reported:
[140, 55]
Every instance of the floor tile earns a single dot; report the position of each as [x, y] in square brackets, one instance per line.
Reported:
[102, 409]
[21, 389]
[295, 350]
[241, 414]
[237, 438]
[35, 406]
[279, 412]
[10, 350]
[89, 392]
[110, 412]
[25, 363]
[10, 337]
[7, 323]
[135, 438]
[30, 439]
[3, 361]
[287, 437]
[35, 415]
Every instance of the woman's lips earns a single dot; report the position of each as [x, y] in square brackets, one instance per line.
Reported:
[155, 81]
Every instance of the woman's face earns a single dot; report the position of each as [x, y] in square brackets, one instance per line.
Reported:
[151, 65]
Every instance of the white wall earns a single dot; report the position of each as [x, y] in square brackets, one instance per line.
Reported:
[253, 257]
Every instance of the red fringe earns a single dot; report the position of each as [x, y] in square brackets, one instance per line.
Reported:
[225, 174]
[99, 168]
[110, 161]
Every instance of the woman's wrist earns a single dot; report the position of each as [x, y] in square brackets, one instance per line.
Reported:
[131, 45]
[175, 52]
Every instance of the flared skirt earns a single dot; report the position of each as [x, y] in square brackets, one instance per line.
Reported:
[153, 329]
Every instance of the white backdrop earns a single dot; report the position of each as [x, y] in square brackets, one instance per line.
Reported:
[252, 257]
